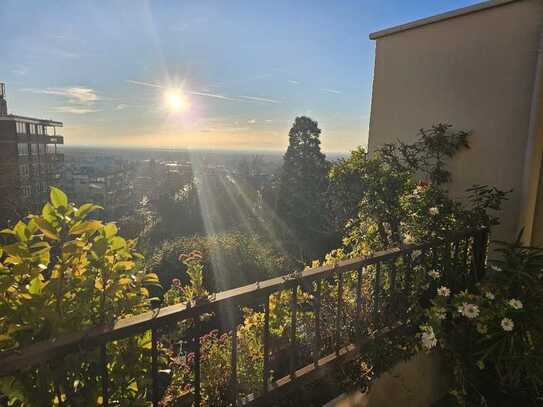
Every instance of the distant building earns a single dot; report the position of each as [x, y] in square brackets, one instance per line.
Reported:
[101, 180]
[29, 162]
[479, 68]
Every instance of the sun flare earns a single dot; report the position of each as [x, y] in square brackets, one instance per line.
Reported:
[175, 100]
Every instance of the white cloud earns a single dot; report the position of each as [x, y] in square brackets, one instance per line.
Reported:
[224, 129]
[252, 121]
[74, 109]
[75, 94]
[79, 100]
[294, 82]
[20, 70]
[64, 53]
[335, 91]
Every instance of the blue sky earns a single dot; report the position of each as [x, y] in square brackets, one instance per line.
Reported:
[245, 68]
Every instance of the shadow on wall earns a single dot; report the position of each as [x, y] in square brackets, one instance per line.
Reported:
[419, 382]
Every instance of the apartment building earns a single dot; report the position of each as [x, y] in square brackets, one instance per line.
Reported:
[30, 162]
[105, 181]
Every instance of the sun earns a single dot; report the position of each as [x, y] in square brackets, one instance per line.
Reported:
[175, 100]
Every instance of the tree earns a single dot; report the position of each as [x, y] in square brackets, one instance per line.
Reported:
[301, 200]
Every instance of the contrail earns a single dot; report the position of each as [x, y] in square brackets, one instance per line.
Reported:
[207, 94]
[258, 99]
[213, 95]
[152, 85]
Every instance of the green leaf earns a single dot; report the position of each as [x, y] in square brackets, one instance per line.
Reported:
[151, 278]
[58, 198]
[21, 232]
[110, 230]
[36, 285]
[118, 243]
[40, 247]
[87, 208]
[7, 231]
[133, 387]
[48, 212]
[100, 246]
[124, 265]
[46, 228]
[86, 227]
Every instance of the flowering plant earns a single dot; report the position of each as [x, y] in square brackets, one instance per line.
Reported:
[493, 332]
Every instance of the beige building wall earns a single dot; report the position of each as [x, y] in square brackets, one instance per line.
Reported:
[475, 71]
[537, 239]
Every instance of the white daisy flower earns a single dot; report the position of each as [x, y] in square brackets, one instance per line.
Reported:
[482, 329]
[490, 296]
[469, 310]
[507, 324]
[443, 291]
[428, 338]
[433, 211]
[434, 274]
[516, 304]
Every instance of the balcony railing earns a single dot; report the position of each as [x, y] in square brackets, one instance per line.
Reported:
[40, 139]
[390, 274]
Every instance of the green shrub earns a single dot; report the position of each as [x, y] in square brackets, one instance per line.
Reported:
[62, 273]
[230, 260]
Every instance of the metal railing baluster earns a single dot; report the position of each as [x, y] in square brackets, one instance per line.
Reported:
[197, 372]
[339, 311]
[105, 376]
[154, 365]
[293, 347]
[266, 345]
[376, 291]
[317, 339]
[359, 301]
[234, 366]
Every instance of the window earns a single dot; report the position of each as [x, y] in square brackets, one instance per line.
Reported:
[41, 187]
[41, 129]
[34, 149]
[21, 127]
[27, 191]
[24, 171]
[49, 149]
[32, 128]
[22, 149]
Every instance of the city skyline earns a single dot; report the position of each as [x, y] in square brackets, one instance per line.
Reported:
[108, 71]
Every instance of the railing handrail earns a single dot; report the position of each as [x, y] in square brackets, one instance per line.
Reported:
[34, 354]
